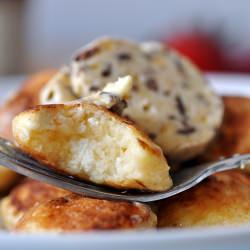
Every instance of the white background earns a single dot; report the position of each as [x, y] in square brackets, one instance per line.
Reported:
[55, 28]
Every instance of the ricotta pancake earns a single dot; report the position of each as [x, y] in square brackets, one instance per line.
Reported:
[233, 136]
[222, 199]
[75, 213]
[23, 197]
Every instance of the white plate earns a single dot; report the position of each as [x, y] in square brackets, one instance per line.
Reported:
[177, 239]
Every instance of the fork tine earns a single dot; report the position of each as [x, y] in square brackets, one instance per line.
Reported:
[9, 149]
[15, 159]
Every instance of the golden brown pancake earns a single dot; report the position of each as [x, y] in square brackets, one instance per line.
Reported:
[234, 135]
[221, 199]
[224, 198]
[8, 179]
[90, 142]
[74, 213]
[24, 98]
[23, 197]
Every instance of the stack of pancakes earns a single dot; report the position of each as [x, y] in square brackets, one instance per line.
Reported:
[222, 199]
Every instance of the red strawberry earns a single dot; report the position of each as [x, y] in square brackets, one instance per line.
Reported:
[238, 62]
[202, 48]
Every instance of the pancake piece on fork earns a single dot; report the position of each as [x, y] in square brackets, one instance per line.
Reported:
[87, 139]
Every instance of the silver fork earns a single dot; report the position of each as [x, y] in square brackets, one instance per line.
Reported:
[183, 179]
